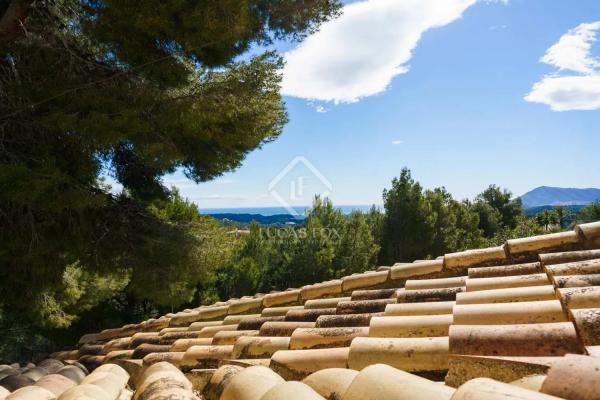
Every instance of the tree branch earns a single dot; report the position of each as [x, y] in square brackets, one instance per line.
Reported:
[13, 18]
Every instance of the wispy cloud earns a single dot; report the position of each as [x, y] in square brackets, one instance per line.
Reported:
[224, 181]
[221, 197]
[573, 50]
[358, 54]
[181, 183]
[576, 83]
[397, 142]
[317, 107]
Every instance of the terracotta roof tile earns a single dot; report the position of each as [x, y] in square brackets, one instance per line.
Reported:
[551, 339]
[292, 391]
[580, 297]
[373, 294]
[576, 280]
[490, 313]
[278, 311]
[506, 270]
[204, 356]
[287, 297]
[411, 270]
[472, 258]
[259, 347]
[394, 384]
[503, 282]
[283, 328]
[439, 283]
[318, 338]
[364, 280]
[363, 306]
[410, 326]
[488, 389]
[325, 303]
[298, 364]
[589, 231]
[331, 383]
[321, 290]
[428, 308]
[529, 312]
[507, 295]
[345, 320]
[429, 295]
[308, 315]
[536, 244]
[408, 354]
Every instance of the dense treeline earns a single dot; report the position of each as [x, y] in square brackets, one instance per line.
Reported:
[328, 245]
[414, 224]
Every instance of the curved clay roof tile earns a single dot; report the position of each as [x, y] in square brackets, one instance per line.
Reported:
[408, 354]
[554, 339]
[292, 391]
[331, 383]
[506, 270]
[429, 308]
[251, 384]
[382, 382]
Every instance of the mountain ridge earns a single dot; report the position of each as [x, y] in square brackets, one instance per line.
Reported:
[557, 196]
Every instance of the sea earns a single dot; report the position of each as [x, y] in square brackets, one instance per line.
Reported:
[270, 211]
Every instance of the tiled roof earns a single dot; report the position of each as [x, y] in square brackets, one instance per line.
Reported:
[518, 321]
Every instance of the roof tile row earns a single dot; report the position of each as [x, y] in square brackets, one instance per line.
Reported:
[504, 313]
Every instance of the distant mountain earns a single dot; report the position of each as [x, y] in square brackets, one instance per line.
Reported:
[554, 196]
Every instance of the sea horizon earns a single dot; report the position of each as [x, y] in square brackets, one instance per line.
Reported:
[269, 211]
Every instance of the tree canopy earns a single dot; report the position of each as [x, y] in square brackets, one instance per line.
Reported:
[420, 223]
[133, 91]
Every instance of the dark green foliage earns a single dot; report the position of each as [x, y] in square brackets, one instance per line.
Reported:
[357, 246]
[591, 213]
[548, 218]
[134, 91]
[407, 230]
[375, 218]
[329, 245]
[425, 224]
[490, 219]
[420, 224]
[497, 209]
[455, 224]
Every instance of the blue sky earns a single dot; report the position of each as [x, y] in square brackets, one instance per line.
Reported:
[465, 93]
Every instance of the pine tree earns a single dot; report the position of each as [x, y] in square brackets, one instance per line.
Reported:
[134, 91]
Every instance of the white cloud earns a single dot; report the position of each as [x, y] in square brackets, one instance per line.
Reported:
[567, 93]
[572, 52]
[359, 53]
[580, 88]
[318, 108]
[396, 142]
